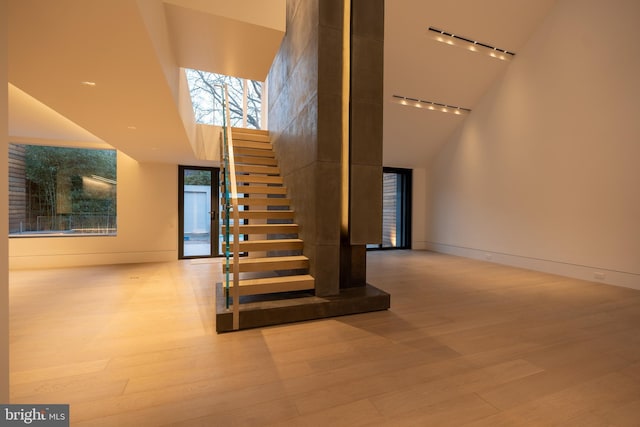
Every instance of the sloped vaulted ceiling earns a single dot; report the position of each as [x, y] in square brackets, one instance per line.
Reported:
[419, 67]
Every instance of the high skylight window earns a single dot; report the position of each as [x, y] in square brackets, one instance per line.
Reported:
[245, 99]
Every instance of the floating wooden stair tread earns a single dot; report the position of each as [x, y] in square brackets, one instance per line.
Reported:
[259, 179]
[271, 245]
[261, 189]
[244, 136]
[269, 285]
[266, 228]
[252, 144]
[253, 152]
[270, 263]
[267, 170]
[265, 214]
[249, 160]
[250, 131]
[263, 201]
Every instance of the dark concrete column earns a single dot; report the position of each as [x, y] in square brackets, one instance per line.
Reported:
[367, 67]
[365, 139]
[304, 107]
[305, 117]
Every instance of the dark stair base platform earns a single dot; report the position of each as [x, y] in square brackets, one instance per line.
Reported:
[287, 307]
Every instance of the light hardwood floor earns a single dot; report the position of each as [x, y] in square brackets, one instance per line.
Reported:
[465, 343]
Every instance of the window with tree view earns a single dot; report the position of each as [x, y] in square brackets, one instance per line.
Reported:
[245, 99]
[61, 191]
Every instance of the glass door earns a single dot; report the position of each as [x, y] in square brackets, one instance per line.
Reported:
[198, 212]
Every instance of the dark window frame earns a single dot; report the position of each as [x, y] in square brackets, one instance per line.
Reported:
[215, 202]
[403, 209]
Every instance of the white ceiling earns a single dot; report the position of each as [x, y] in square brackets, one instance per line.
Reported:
[132, 50]
[220, 35]
[49, 125]
[129, 48]
[54, 46]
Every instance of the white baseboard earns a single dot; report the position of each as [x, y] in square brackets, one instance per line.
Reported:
[79, 260]
[420, 245]
[592, 274]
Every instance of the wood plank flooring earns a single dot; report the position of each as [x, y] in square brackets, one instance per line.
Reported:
[465, 343]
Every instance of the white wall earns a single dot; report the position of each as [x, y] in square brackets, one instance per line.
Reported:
[545, 172]
[4, 212]
[419, 209]
[147, 225]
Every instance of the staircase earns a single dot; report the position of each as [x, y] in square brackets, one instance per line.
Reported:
[266, 222]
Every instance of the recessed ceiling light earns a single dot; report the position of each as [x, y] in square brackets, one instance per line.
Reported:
[132, 127]
[88, 83]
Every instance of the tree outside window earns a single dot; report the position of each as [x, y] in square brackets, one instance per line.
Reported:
[60, 190]
[245, 99]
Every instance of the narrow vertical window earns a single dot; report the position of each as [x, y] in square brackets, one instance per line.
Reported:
[396, 209]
